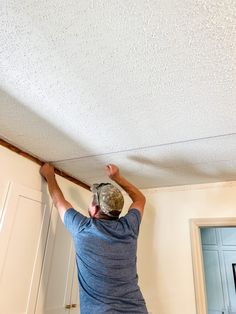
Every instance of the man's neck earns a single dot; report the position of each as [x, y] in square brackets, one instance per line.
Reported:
[100, 215]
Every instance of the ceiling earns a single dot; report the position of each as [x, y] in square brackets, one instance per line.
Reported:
[147, 85]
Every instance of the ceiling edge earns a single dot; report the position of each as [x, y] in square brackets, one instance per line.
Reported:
[40, 162]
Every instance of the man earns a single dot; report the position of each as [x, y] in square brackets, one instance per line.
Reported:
[105, 244]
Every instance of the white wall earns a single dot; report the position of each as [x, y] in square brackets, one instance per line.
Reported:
[15, 168]
[164, 256]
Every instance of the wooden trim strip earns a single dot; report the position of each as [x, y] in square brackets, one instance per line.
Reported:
[40, 162]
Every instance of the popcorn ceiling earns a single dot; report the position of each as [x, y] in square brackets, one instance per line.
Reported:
[116, 79]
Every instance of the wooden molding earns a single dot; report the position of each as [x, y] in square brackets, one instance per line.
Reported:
[40, 162]
[198, 269]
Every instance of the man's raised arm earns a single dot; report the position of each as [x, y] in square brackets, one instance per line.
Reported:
[47, 171]
[134, 193]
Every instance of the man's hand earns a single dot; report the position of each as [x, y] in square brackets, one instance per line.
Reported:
[134, 193]
[47, 170]
[112, 171]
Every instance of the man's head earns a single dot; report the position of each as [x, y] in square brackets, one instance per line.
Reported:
[107, 199]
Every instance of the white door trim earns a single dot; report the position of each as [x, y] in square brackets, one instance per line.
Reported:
[198, 268]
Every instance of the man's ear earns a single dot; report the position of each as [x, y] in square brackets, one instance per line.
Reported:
[97, 209]
[94, 211]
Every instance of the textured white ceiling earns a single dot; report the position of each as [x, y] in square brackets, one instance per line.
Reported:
[148, 85]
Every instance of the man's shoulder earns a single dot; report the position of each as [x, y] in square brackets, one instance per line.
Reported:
[132, 212]
[73, 220]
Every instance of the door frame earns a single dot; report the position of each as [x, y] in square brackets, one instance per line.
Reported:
[197, 256]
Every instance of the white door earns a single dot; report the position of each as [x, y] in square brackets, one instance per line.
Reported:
[75, 305]
[4, 189]
[23, 232]
[55, 291]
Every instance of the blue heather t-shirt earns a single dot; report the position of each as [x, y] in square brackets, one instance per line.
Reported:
[106, 263]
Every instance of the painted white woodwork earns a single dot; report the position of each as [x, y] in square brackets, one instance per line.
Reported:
[37, 259]
[57, 280]
[4, 188]
[23, 234]
[75, 292]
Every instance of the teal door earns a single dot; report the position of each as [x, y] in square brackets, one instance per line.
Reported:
[219, 255]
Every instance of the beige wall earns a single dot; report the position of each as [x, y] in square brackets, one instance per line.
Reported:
[15, 168]
[164, 255]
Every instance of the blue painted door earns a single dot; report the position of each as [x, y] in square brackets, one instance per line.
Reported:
[219, 256]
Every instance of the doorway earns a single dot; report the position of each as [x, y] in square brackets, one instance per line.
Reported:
[219, 260]
[214, 258]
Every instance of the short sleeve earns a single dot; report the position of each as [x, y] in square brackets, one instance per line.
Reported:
[73, 220]
[133, 219]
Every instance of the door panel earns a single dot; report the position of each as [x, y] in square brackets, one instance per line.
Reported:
[4, 188]
[218, 312]
[208, 236]
[228, 236]
[230, 259]
[22, 241]
[75, 292]
[55, 285]
[213, 279]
